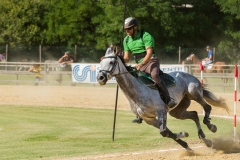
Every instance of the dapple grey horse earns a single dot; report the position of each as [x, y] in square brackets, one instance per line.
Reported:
[147, 104]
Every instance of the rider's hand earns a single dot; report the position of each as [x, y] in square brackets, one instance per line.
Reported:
[138, 66]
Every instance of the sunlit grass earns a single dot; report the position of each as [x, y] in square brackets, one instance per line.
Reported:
[30, 132]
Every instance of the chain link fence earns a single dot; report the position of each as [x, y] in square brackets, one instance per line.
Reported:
[92, 55]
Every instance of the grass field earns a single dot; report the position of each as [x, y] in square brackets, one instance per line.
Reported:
[30, 132]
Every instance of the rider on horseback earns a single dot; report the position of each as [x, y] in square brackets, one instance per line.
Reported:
[140, 44]
[209, 59]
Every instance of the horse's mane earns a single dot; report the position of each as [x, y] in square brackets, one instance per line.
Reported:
[121, 57]
[129, 68]
[115, 51]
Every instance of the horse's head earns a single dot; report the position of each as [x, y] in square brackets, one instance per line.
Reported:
[109, 66]
[190, 57]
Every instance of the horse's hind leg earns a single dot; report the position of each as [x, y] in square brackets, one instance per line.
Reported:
[197, 95]
[180, 112]
[206, 120]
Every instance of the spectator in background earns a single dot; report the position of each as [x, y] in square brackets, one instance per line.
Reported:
[36, 68]
[65, 64]
[2, 57]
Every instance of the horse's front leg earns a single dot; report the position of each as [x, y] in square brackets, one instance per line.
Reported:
[165, 132]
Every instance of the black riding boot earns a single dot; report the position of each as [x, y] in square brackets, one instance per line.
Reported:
[137, 120]
[164, 94]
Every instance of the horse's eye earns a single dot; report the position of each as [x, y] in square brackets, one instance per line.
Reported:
[111, 62]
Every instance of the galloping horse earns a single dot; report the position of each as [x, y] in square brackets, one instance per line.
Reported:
[146, 103]
[216, 67]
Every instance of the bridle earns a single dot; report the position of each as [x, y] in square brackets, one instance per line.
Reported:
[115, 64]
[190, 58]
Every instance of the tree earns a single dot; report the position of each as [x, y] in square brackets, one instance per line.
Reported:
[70, 22]
[21, 22]
[229, 45]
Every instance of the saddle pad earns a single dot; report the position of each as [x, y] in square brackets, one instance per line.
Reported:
[146, 79]
[209, 66]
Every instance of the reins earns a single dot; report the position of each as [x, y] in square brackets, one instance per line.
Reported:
[114, 67]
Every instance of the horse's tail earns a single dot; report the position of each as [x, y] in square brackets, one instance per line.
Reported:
[213, 100]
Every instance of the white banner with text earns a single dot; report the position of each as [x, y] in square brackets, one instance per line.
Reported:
[87, 73]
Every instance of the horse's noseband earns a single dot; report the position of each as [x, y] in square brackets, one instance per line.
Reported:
[109, 73]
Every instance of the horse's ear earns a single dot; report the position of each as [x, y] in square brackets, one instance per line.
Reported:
[115, 49]
[101, 58]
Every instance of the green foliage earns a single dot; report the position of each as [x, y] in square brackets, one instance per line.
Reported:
[69, 22]
[21, 22]
[97, 23]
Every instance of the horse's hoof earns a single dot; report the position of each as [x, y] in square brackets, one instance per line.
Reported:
[182, 135]
[189, 149]
[207, 142]
[213, 128]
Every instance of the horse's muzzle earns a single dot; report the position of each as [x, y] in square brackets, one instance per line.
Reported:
[102, 78]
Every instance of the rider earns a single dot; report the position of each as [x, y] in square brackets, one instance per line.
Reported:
[140, 44]
[209, 59]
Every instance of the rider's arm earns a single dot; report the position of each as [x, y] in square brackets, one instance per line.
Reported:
[127, 56]
[210, 57]
[148, 56]
[146, 59]
[149, 45]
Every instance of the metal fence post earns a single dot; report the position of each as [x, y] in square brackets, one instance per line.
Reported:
[40, 53]
[179, 54]
[214, 53]
[75, 53]
[6, 54]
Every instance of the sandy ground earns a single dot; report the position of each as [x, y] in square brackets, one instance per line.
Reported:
[104, 97]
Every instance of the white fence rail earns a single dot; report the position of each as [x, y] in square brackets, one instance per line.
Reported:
[17, 73]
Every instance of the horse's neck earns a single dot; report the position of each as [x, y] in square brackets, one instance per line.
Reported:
[124, 78]
[196, 60]
[130, 86]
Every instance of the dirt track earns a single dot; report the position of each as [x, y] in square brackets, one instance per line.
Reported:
[103, 97]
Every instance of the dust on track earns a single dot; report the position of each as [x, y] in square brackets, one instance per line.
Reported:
[104, 97]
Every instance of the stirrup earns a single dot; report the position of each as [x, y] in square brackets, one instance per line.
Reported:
[137, 120]
[171, 103]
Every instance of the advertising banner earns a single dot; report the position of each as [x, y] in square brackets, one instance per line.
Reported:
[87, 73]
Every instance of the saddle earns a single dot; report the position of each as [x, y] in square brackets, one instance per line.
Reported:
[146, 79]
[207, 66]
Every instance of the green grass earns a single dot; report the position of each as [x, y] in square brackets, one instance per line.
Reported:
[29, 132]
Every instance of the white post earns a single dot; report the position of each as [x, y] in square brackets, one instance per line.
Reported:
[235, 101]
